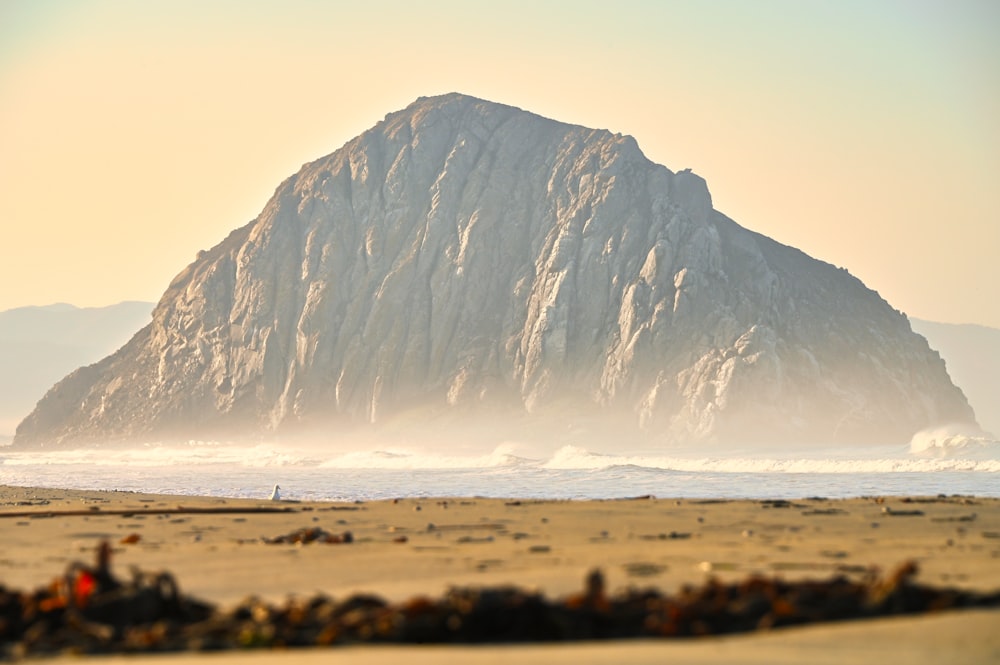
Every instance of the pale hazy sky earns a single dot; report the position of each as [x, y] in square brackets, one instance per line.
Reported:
[864, 132]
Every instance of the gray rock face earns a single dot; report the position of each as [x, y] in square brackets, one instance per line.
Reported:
[464, 257]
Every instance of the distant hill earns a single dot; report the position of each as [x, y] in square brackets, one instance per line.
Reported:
[972, 354]
[41, 345]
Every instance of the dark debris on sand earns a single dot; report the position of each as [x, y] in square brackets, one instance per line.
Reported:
[89, 610]
[307, 535]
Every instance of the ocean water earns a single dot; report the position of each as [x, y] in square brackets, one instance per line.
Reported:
[934, 463]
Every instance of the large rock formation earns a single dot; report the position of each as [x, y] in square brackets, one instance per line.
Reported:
[464, 257]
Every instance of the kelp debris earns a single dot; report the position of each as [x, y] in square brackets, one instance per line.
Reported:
[89, 610]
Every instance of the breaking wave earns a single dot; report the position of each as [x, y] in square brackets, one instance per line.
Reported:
[571, 457]
[955, 442]
[192, 453]
[931, 451]
[209, 468]
[501, 456]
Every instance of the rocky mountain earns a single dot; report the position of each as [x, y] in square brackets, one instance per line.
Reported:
[466, 259]
[972, 354]
[40, 345]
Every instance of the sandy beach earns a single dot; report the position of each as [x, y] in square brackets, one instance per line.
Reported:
[217, 550]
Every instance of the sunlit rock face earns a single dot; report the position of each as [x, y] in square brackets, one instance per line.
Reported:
[464, 257]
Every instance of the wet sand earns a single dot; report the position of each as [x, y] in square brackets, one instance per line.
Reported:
[216, 549]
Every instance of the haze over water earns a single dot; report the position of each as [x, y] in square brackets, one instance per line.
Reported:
[966, 466]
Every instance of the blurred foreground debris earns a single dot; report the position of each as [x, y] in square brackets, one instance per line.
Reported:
[313, 534]
[89, 610]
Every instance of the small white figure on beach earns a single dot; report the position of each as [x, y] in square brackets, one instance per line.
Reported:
[275, 493]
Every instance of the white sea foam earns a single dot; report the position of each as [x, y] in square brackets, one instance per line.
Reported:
[572, 457]
[955, 441]
[399, 458]
[152, 455]
[509, 470]
[940, 451]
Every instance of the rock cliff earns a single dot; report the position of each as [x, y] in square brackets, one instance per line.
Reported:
[464, 257]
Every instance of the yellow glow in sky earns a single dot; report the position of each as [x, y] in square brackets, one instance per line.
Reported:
[133, 134]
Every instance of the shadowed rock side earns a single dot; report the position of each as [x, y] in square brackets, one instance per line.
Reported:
[464, 257]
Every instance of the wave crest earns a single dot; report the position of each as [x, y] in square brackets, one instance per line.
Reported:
[850, 461]
[930, 451]
[501, 456]
[955, 441]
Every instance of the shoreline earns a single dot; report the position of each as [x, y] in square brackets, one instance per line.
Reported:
[400, 549]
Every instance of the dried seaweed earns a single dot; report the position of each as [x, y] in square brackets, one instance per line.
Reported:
[89, 610]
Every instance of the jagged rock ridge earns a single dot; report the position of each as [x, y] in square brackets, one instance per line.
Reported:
[464, 255]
